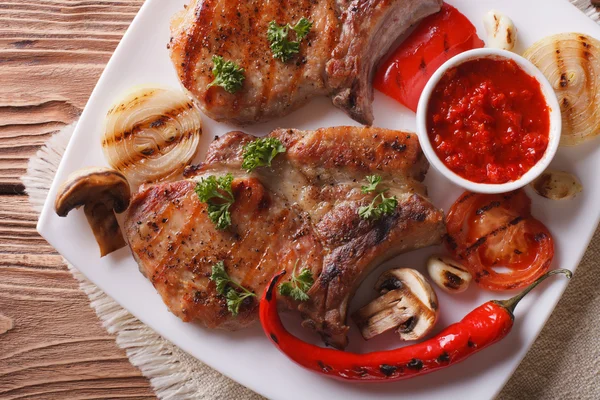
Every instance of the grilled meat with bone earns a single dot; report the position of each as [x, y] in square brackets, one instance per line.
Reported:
[303, 209]
[336, 59]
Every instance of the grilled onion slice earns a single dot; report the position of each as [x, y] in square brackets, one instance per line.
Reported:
[571, 62]
[151, 134]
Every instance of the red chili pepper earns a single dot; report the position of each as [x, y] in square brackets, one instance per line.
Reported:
[482, 327]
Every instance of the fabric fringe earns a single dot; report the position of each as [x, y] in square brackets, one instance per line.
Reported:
[157, 358]
[145, 349]
[587, 8]
[42, 167]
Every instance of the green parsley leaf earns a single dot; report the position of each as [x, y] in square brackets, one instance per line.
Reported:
[373, 180]
[380, 205]
[285, 289]
[298, 286]
[289, 290]
[386, 206]
[261, 152]
[304, 280]
[219, 214]
[278, 35]
[213, 187]
[281, 47]
[235, 299]
[370, 211]
[302, 28]
[224, 287]
[218, 195]
[220, 277]
[228, 75]
[298, 295]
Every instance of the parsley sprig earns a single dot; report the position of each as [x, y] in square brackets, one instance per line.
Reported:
[228, 75]
[386, 206]
[373, 180]
[227, 287]
[278, 35]
[380, 205]
[261, 152]
[218, 195]
[299, 285]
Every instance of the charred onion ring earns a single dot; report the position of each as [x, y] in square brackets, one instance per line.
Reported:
[151, 134]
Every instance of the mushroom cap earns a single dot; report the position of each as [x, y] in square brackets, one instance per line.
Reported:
[93, 185]
[411, 279]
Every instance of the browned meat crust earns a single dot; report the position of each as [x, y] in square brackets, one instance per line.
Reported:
[336, 59]
[356, 247]
[176, 245]
[304, 208]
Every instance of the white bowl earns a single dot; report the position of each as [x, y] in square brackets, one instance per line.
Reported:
[551, 100]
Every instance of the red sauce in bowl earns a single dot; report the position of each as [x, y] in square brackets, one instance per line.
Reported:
[488, 120]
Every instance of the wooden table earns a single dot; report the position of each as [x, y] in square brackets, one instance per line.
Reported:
[52, 346]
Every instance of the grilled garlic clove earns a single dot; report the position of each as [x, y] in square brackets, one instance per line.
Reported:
[501, 31]
[448, 274]
[557, 185]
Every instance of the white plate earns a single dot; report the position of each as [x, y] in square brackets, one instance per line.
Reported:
[247, 356]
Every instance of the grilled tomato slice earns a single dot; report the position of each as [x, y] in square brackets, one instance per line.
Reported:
[498, 240]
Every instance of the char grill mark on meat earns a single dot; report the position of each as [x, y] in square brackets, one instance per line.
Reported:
[176, 245]
[271, 88]
[336, 59]
[304, 208]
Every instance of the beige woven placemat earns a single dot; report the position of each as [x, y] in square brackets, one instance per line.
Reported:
[564, 362]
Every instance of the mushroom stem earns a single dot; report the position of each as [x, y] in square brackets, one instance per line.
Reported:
[101, 192]
[105, 226]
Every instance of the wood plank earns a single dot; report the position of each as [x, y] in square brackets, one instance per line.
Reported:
[48, 351]
[62, 48]
[51, 343]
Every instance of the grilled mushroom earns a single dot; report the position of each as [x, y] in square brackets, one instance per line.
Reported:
[407, 304]
[448, 274]
[101, 192]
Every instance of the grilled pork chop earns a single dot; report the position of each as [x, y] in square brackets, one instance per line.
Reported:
[337, 57]
[303, 209]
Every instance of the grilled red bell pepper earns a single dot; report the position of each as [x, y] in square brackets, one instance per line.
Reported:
[439, 37]
[482, 327]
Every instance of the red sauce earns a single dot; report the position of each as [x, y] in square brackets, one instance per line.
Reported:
[488, 121]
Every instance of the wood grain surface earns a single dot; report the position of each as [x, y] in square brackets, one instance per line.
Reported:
[52, 345]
